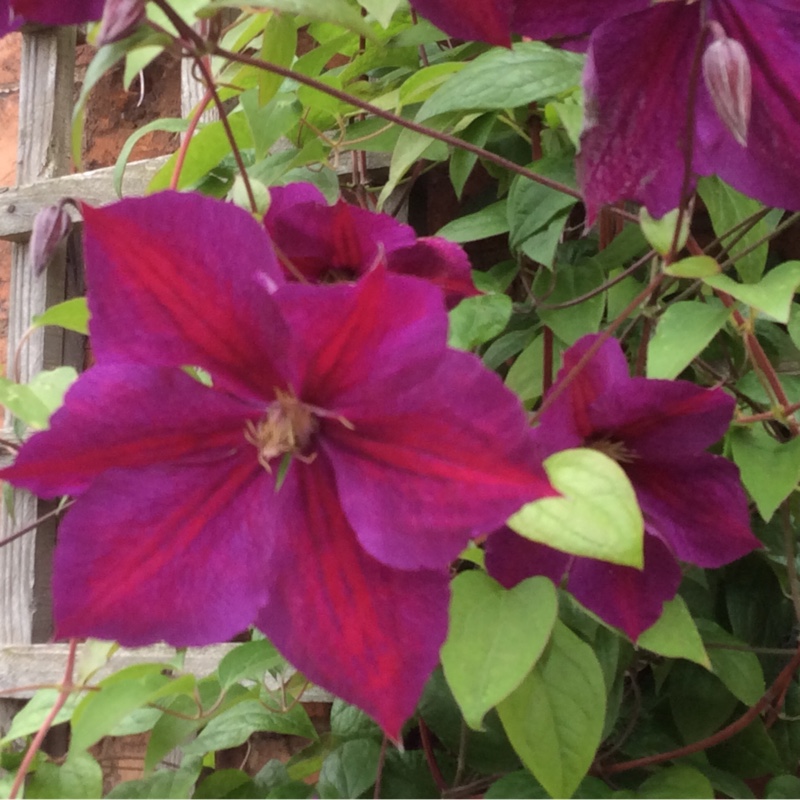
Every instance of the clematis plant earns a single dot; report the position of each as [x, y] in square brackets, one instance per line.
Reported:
[694, 507]
[714, 83]
[343, 457]
[318, 243]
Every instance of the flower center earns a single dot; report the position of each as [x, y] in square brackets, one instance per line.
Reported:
[614, 449]
[287, 427]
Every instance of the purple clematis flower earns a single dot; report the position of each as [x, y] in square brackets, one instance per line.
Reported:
[188, 525]
[323, 243]
[14, 13]
[693, 504]
[638, 87]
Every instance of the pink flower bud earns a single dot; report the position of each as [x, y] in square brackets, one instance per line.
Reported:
[726, 69]
[120, 19]
[50, 228]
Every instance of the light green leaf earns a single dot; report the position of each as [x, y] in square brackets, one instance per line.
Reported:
[770, 469]
[423, 82]
[727, 208]
[679, 781]
[773, 294]
[683, 331]
[248, 661]
[31, 717]
[93, 655]
[382, 10]
[80, 776]
[597, 517]
[71, 314]
[279, 43]
[507, 78]
[33, 403]
[675, 635]
[660, 233]
[476, 320]
[693, 267]
[495, 636]
[554, 720]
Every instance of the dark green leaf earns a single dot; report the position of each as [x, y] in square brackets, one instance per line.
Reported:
[349, 770]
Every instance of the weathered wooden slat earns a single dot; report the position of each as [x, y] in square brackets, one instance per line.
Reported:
[43, 664]
[19, 206]
[46, 90]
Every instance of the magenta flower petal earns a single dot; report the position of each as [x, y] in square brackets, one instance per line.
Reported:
[342, 242]
[181, 554]
[770, 34]
[366, 631]
[129, 416]
[486, 20]
[433, 461]
[663, 420]
[635, 130]
[55, 12]
[625, 597]
[511, 558]
[551, 19]
[163, 288]
[698, 507]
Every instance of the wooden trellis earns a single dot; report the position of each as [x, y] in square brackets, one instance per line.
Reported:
[46, 98]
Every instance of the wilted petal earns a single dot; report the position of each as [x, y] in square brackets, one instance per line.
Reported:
[698, 508]
[180, 279]
[448, 459]
[511, 558]
[129, 415]
[179, 554]
[366, 632]
[625, 597]
[770, 34]
[663, 420]
[636, 85]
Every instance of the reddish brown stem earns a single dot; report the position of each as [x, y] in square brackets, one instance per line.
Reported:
[430, 756]
[180, 156]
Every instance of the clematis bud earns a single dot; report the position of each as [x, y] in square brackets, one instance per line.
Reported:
[726, 69]
[120, 19]
[50, 228]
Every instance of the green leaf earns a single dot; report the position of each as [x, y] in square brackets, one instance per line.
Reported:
[223, 783]
[476, 320]
[739, 670]
[675, 635]
[164, 783]
[93, 655]
[71, 314]
[419, 86]
[520, 785]
[728, 208]
[784, 787]
[489, 221]
[495, 636]
[336, 12]
[680, 780]
[349, 770]
[349, 722]
[660, 233]
[169, 125]
[279, 43]
[248, 661]
[598, 515]
[700, 703]
[119, 694]
[683, 332]
[773, 294]
[382, 10]
[233, 727]
[749, 754]
[80, 776]
[462, 161]
[555, 718]
[694, 267]
[506, 78]
[33, 403]
[770, 469]
[31, 717]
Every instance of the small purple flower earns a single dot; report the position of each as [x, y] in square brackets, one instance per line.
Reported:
[323, 243]
[694, 507]
[14, 13]
[320, 489]
[638, 87]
